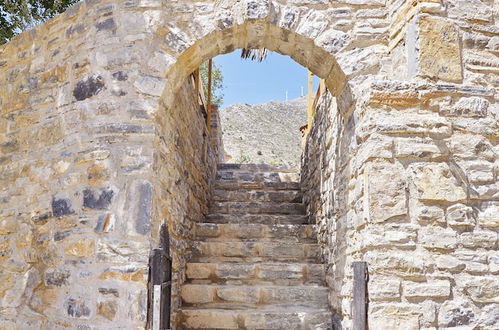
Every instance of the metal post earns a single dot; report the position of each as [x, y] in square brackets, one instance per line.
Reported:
[156, 279]
[359, 308]
[160, 281]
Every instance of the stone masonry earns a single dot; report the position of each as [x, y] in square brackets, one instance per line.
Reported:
[256, 262]
[102, 142]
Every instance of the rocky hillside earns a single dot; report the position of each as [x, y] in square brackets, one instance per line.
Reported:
[264, 133]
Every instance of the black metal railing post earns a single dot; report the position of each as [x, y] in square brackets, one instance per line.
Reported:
[160, 283]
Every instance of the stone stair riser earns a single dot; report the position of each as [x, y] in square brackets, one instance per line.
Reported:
[252, 185]
[279, 274]
[292, 196]
[221, 319]
[257, 218]
[260, 232]
[257, 208]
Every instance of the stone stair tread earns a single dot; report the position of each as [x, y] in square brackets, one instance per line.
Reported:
[257, 208]
[260, 232]
[275, 318]
[257, 218]
[265, 185]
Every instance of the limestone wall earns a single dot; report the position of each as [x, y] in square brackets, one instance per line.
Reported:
[90, 167]
[409, 181]
[100, 144]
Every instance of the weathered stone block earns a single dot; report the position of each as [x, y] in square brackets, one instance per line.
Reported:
[105, 223]
[61, 207]
[460, 215]
[439, 54]
[475, 11]
[489, 316]
[107, 309]
[101, 202]
[8, 225]
[488, 216]
[449, 263]
[483, 289]
[430, 289]
[438, 238]
[150, 85]
[384, 289]
[455, 313]
[125, 273]
[143, 220]
[394, 262]
[479, 239]
[436, 181]
[88, 87]
[386, 191]
[122, 251]
[428, 214]
[57, 277]
[107, 24]
[417, 148]
[77, 308]
[81, 248]
[472, 107]
[393, 316]
[198, 294]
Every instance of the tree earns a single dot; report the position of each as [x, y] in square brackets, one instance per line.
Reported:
[217, 83]
[19, 15]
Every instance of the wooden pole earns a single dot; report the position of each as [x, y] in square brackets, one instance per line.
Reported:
[197, 80]
[210, 83]
[310, 111]
[322, 86]
[359, 308]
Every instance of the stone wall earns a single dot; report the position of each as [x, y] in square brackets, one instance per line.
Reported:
[100, 144]
[409, 180]
[185, 163]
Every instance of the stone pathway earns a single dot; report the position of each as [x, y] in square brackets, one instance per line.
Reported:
[255, 260]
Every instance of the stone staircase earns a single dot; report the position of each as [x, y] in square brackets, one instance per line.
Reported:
[255, 260]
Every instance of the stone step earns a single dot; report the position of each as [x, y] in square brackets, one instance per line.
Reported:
[286, 318]
[254, 252]
[256, 168]
[257, 176]
[257, 208]
[257, 232]
[252, 185]
[290, 196]
[238, 296]
[257, 218]
[259, 273]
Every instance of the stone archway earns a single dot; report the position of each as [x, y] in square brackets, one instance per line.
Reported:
[180, 51]
[89, 109]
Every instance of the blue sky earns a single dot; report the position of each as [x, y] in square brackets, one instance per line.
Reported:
[256, 82]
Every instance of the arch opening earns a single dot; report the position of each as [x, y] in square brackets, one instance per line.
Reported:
[202, 152]
[259, 34]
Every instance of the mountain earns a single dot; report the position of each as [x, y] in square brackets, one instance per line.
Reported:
[264, 133]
